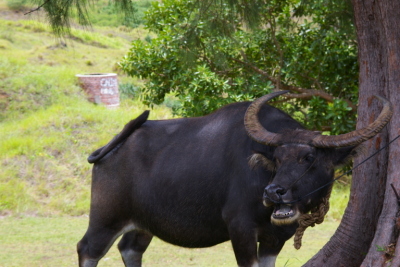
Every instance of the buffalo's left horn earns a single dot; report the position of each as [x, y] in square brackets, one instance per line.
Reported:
[253, 126]
[358, 136]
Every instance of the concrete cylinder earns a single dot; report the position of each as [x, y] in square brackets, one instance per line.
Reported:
[101, 88]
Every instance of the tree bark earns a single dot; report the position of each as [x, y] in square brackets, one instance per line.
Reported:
[383, 247]
[368, 226]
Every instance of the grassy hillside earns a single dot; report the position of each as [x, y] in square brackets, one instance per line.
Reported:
[37, 69]
[47, 127]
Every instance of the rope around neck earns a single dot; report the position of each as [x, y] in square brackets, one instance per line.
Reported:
[316, 216]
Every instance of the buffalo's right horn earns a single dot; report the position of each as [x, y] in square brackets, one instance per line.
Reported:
[358, 136]
[253, 126]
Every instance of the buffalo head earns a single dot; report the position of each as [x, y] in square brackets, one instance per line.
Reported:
[303, 161]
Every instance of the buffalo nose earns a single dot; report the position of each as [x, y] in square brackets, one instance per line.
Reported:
[274, 193]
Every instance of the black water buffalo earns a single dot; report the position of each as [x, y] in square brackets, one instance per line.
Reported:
[243, 173]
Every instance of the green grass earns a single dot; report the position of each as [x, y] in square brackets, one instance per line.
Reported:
[47, 127]
[40, 241]
[36, 69]
[43, 156]
[339, 199]
[100, 13]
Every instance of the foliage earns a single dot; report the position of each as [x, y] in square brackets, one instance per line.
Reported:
[128, 90]
[209, 58]
[62, 14]
[107, 13]
[209, 53]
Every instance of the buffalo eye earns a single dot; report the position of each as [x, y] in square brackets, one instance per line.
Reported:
[309, 158]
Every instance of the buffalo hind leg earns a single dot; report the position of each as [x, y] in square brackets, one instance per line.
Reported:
[132, 246]
[96, 242]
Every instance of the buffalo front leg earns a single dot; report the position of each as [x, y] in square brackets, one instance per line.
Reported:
[272, 243]
[244, 245]
[132, 246]
[267, 254]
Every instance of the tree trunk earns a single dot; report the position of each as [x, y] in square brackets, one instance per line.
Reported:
[368, 226]
[382, 249]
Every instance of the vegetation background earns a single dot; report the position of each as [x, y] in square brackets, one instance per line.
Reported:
[47, 130]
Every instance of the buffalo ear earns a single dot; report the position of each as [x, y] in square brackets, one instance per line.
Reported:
[259, 160]
[344, 155]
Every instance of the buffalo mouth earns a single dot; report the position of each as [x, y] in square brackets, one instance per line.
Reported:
[284, 214]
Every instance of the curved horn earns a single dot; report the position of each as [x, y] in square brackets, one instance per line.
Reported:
[253, 126]
[358, 136]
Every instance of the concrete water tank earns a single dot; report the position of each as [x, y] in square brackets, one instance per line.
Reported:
[101, 88]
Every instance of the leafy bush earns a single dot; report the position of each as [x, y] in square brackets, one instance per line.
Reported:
[210, 58]
[128, 90]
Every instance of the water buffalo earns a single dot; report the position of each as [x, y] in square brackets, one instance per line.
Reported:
[243, 173]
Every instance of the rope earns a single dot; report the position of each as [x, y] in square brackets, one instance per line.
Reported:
[316, 216]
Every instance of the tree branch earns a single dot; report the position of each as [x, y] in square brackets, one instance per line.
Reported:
[302, 93]
[36, 9]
